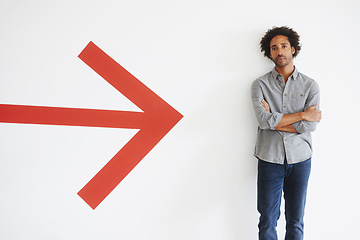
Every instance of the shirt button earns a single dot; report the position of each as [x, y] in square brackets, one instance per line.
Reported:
[284, 106]
[285, 94]
[284, 139]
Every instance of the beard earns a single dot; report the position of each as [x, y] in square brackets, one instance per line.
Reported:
[281, 61]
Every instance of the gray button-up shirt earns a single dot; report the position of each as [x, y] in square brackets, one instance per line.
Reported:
[299, 93]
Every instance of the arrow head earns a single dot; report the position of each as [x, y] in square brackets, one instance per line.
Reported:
[158, 119]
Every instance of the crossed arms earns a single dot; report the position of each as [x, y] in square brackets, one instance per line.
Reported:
[311, 115]
[299, 122]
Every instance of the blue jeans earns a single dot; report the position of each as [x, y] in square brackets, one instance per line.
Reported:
[272, 180]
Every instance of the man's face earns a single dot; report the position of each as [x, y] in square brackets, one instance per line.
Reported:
[281, 51]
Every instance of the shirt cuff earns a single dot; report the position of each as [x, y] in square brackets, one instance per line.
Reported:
[305, 126]
[274, 120]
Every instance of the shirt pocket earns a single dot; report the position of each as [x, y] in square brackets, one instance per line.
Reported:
[297, 101]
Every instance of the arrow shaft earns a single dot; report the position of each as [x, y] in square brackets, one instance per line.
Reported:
[70, 116]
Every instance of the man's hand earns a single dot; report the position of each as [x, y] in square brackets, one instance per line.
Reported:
[265, 105]
[312, 114]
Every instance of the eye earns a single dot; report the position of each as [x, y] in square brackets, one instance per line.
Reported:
[284, 46]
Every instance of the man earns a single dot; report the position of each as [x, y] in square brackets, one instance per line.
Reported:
[286, 107]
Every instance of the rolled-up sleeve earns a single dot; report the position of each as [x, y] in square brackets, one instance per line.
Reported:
[265, 119]
[313, 99]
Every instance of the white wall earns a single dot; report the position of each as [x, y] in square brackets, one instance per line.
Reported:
[200, 56]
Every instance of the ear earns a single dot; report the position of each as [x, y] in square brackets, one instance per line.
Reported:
[292, 50]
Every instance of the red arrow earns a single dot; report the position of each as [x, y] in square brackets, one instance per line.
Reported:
[156, 120]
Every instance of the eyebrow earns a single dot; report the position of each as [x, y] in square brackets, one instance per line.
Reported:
[285, 43]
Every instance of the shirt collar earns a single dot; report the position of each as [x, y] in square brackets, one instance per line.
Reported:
[293, 76]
